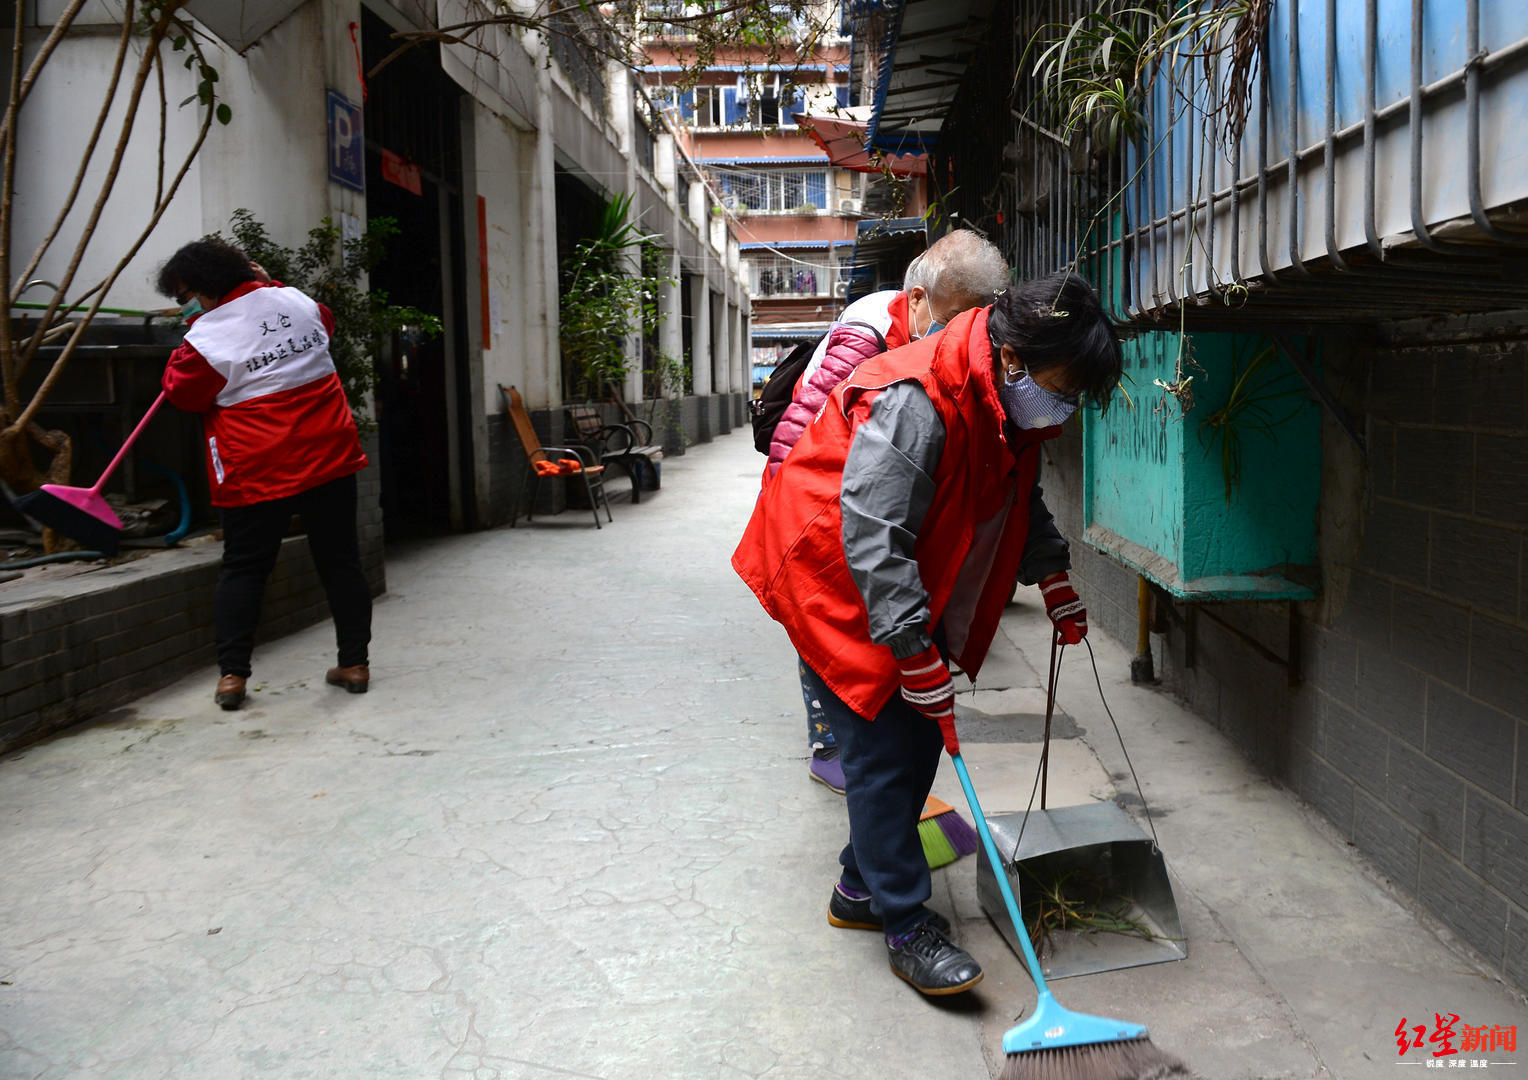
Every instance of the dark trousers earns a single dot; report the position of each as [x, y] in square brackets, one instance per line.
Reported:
[889, 766]
[251, 541]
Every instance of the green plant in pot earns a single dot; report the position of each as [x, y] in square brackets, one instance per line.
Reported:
[609, 291]
[329, 269]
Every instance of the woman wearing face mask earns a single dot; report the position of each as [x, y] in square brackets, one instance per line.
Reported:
[280, 441]
[890, 539]
[960, 270]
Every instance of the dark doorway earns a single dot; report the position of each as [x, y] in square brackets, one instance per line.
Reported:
[578, 214]
[413, 175]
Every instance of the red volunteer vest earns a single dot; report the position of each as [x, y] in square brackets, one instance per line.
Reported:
[791, 554]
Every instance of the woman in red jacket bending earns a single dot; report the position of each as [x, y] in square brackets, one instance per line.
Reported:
[280, 441]
[890, 540]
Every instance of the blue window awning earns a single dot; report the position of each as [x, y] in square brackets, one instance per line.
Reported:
[793, 244]
[818, 161]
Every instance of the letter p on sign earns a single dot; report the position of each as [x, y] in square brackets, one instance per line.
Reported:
[347, 160]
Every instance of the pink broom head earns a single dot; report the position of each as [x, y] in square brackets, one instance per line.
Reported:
[88, 500]
[79, 513]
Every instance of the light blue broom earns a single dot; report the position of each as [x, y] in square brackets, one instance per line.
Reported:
[1056, 1043]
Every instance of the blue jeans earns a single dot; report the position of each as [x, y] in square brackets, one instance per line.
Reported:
[819, 733]
[889, 767]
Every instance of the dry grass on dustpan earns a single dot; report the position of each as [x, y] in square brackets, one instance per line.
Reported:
[1057, 900]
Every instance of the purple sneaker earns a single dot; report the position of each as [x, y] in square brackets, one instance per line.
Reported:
[826, 769]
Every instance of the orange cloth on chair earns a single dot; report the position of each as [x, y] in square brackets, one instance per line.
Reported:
[547, 467]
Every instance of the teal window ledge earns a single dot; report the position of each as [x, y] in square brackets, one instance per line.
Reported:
[1267, 585]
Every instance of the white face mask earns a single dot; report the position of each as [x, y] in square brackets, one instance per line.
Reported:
[1029, 405]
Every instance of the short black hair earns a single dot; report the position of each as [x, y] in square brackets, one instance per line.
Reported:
[210, 266]
[1058, 321]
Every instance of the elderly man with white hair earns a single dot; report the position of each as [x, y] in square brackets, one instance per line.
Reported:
[961, 270]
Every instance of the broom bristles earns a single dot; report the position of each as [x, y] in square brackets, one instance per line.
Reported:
[936, 846]
[78, 525]
[1130, 1059]
[959, 832]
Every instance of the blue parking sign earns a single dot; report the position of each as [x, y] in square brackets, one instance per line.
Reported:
[347, 144]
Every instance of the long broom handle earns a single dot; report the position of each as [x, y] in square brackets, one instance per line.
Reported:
[126, 446]
[1000, 872]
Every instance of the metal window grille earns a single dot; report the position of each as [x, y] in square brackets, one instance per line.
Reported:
[1357, 190]
[776, 191]
[576, 38]
[773, 276]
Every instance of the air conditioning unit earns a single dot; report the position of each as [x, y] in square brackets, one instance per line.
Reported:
[849, 206]
[841, 289]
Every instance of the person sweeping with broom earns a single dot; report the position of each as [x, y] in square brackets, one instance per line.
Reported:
[281, 440]
[890, 539]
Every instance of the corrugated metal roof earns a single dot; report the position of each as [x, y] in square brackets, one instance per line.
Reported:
[920, 63]
[820, 159]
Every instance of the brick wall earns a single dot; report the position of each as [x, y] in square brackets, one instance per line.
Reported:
[73, 647]
[1409, 729]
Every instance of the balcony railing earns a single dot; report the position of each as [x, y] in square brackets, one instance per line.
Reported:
[579, 41]
[1376, 175]
[777, 278]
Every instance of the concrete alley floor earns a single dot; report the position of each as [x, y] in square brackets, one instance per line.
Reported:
[570, 833]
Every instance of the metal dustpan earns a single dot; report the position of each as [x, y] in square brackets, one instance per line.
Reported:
[1097, 843]
[1102, 841]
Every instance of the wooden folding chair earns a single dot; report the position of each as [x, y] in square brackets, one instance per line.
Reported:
[575, 461]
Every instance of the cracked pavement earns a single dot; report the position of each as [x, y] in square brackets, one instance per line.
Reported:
[570, 833]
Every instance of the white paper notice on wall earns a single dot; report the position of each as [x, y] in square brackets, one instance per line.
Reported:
[350, 227]
[495, 312]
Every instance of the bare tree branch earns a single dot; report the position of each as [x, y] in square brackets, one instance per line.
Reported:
[21, 90]
[80, 173]
[104, 287]
[8, 377]
[145, 66]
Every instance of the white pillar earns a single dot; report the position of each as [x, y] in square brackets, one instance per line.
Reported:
[700, 354]
[721, 363]
[671, 330]
[742, 353]
[543, 383]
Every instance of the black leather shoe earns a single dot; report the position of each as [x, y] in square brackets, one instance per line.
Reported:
[230, 692]
[849, 914]
[932, 963]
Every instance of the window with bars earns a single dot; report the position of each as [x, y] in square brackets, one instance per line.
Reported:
[659, 12]
[778, 276]
[776, 191]
[760, 101]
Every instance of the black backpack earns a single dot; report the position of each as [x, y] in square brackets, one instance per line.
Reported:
[766, 409]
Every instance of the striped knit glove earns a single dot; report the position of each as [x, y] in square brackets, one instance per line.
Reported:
[927, 687]
[1064, 608]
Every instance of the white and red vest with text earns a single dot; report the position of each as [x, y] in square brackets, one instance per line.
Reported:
[257, 367]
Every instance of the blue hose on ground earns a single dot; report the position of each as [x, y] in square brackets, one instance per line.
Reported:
[56, 557]
[175, 535]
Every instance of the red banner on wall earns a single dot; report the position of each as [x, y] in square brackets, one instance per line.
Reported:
[403, 173]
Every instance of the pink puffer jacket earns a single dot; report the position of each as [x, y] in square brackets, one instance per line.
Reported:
[848, 346]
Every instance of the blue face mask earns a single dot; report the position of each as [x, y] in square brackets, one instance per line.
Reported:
[1029, 405]
[934, 325]
[191, 309]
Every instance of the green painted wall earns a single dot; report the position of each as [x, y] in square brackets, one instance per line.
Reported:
[1133, 457]
[1154, 476]
[1271, 516]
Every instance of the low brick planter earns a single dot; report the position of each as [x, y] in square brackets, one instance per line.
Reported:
[74, 647]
